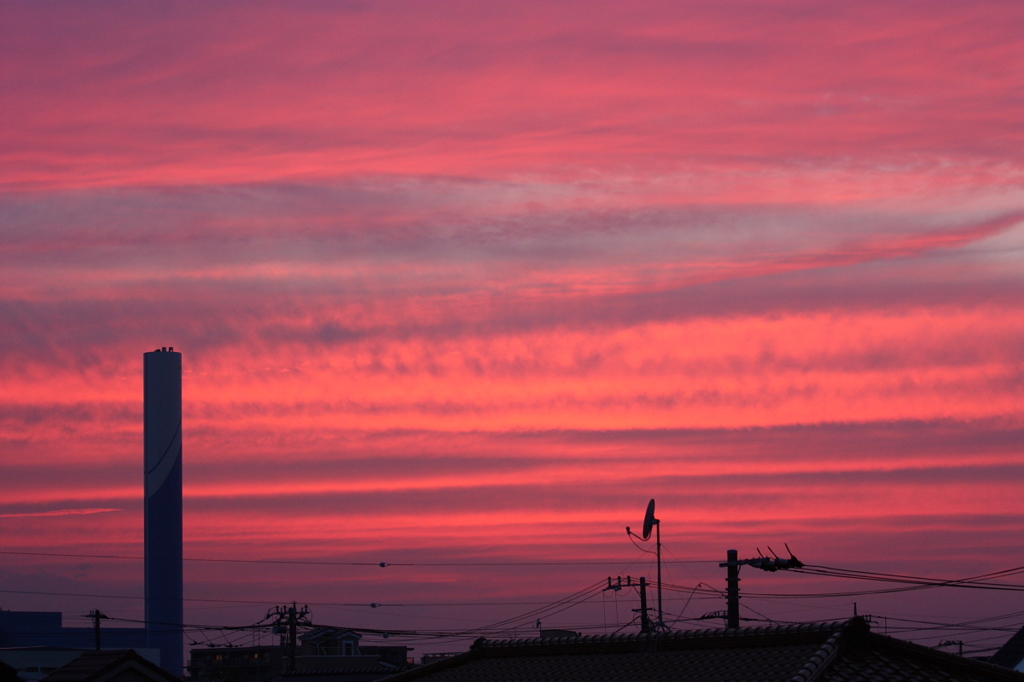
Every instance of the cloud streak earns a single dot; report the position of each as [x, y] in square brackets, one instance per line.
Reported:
[530, 89]
[476, 281]
[59, 512]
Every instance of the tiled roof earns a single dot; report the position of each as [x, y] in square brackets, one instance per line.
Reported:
[818, 652]
[357, 673]
[332, 672]
[869, 656]
[97, 665]
[7, 673]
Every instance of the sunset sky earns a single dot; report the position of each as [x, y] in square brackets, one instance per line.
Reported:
[469, 282]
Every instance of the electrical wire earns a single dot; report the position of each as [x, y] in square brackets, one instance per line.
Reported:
[987, 628]
[265, 602]
[572, 600]
[976, 582]
[501, 627]
[379, 564]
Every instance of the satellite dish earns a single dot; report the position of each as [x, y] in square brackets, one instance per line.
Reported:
[649, 520]
[649, 523]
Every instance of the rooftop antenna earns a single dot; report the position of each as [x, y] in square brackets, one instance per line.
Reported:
[649, 523]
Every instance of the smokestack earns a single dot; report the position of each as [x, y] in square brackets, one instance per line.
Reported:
[162, 458]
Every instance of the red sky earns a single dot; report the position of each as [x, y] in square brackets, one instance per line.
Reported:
[463, 282]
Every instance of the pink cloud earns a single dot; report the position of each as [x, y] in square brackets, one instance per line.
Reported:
[136, 99]
[59, 512]
[474, 281]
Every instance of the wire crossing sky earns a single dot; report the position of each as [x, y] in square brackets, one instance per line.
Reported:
[461, 286]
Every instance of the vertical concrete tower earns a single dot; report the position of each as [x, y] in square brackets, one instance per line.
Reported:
[162, 443]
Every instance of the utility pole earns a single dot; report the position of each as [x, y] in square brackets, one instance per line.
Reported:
[732, 578]
[661, 613]
[292, 617]
[96, 615]
[645, 621]
[646, 626]
[292, 635]
[732, 590]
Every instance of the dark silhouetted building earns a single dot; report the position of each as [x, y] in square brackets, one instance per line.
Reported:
[325, 654]
[39, 640]
[8, 674]
[110, 666]
[162, 457]
[320, 645]
[236, 664]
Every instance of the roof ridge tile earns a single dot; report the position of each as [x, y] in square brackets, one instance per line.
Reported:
[821, 659]
[725, 633]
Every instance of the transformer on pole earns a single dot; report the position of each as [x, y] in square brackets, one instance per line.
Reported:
[732, 578]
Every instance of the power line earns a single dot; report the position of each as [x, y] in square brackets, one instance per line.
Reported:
[380, 564]
[502, 627]
[977, 582]
[257, 625]
[271, 602]
[979, 626]
[916, 584]
[581, 595]
[911, 582]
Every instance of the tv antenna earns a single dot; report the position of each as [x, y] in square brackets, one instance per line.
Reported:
[649, 523]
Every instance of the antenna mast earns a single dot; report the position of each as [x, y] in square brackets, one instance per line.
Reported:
[649, 523]
[661, 613]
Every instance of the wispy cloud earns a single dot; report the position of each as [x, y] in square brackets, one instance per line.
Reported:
[58, 512]
[480, 279]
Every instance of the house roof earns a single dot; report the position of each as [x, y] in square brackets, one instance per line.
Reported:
[330, 634]
[361, 668]
[7, 673]
[1011, 653]
[99, 666]
[816, 652]
[365, 672]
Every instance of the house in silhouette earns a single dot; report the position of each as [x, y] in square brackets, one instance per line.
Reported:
[327, 647]
[324, 654]
[33, 663]
[110, 666]
[236, 664]
[820, 652]
[8, 674]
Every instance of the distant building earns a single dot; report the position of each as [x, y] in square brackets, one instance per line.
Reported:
[236, 664]
[46, 628]
[815, 652]
[36, 643]
[323, 655]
